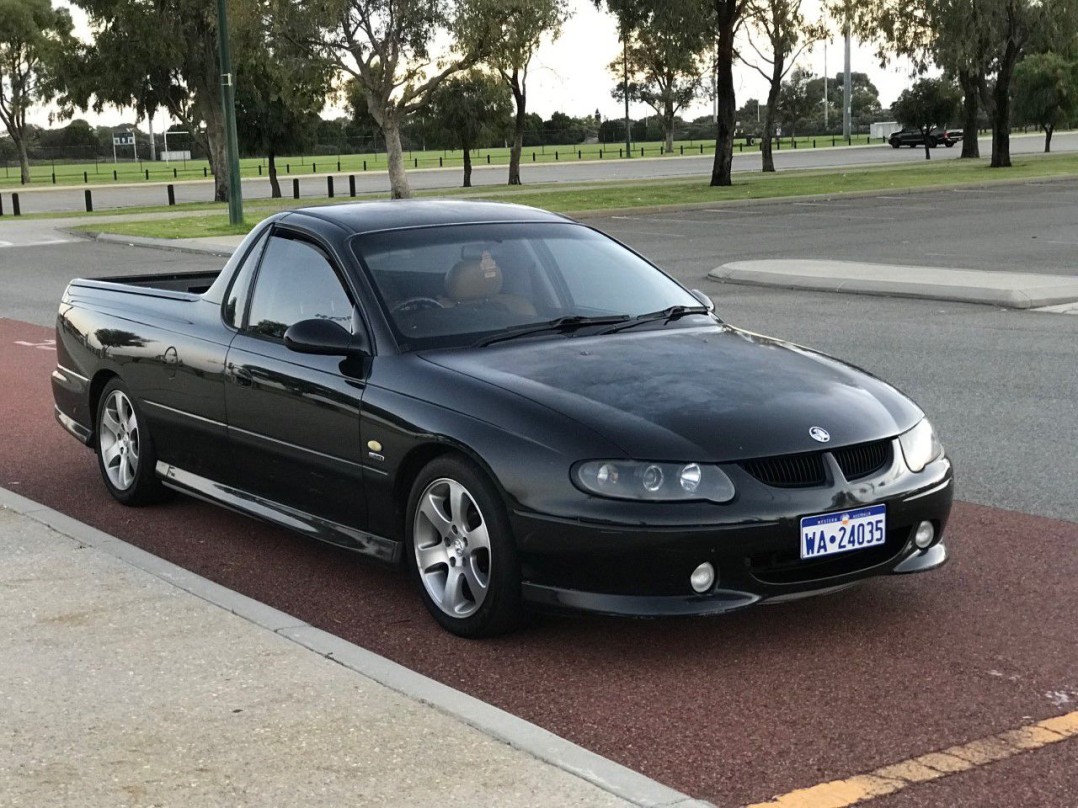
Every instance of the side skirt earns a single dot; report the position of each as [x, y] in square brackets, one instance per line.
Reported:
[377, 547]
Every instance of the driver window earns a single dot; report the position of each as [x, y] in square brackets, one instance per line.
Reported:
[295, 282]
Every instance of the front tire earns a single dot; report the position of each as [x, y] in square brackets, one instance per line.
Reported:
[461, 550]
[125, 450]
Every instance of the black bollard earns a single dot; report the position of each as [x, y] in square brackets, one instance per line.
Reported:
[329, 186]
[89, 200]
[352, 185]
[171, 194]
[15, 210]
[295, 189]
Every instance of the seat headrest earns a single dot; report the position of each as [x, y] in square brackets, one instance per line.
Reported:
[473, 280]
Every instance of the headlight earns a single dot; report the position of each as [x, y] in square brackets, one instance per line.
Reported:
[920, 446]
[630, 479]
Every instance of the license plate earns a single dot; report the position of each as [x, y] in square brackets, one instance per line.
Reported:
[839, 532]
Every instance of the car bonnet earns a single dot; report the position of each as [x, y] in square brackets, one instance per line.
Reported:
[708, 394]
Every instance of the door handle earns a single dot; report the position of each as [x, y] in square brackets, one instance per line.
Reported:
[242, 376]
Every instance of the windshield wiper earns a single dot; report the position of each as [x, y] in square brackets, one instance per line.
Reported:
[561, 324]
[666, 315]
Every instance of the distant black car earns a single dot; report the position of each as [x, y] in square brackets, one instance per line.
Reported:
[513, 405]
[914, 138]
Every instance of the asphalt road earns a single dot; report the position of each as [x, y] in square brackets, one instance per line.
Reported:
[733, 710]
[740, 708]
[42, 199]
[1000, 385]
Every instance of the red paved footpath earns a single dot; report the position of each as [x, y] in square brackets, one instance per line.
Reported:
[733, 709]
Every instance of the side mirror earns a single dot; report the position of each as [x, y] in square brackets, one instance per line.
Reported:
[325, 337]
[703, 299]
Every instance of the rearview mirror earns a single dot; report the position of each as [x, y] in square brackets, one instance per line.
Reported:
[324, 337]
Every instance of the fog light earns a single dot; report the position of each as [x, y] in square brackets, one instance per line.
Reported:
[702, 577]
[924, 535]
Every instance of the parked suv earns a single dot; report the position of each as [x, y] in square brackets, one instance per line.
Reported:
[914, 138]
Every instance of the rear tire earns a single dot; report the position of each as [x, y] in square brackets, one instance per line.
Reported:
[460, 550]
[125, 451]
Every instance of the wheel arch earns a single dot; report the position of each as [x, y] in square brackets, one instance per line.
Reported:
[97, 387]
[417, 459]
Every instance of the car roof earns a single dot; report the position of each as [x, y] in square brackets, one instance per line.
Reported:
[370, 217]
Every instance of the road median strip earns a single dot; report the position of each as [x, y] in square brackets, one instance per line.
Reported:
[932, 766]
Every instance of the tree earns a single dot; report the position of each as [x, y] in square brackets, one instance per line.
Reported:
[980, 42]
[864, 101]
[385, 46]
[782, 24]
[522, 26]
[469, 107]
[149, 54]
[32, 34]
[796, 106]
[1046, 92]
[665, 61]
[726, 18]
[927, 104]
[279, 93]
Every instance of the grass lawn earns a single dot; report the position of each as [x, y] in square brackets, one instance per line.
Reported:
[616, 195]
[103, 172]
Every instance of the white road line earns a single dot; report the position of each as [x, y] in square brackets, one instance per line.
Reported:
[41, 243]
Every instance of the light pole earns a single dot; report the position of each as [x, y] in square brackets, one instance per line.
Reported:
[228, 101]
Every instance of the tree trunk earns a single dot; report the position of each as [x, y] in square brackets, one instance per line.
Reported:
[1048, 138]
[970, 147]
[722, 168]
[1001, 103]
[213, 114]
[668, 128]
[24, 162]
[275, 186]
[467, 148]
[398, 179]
[768, 134]
[520, 99]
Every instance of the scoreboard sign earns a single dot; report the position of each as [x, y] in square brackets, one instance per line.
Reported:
[123, 139]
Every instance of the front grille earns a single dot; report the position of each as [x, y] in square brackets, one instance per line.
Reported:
[788, 471]
[864, 459]
[808, 469]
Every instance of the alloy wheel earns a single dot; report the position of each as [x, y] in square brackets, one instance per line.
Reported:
[452, 548]
[118, 440]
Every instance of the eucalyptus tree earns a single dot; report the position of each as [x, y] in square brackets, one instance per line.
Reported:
[32, 35]
[388, 48]
[1046, 92]
[469, 108]
[928, 104]
[279, 95]
[782, 25]
[515, 29]
[980, 42]
[147, 54]
[664, 60]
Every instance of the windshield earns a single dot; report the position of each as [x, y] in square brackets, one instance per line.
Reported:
[453, 286]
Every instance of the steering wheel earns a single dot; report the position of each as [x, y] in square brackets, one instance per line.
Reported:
[414, 304]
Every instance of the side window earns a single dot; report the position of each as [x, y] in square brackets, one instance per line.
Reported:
[295, 282]
[236, 300]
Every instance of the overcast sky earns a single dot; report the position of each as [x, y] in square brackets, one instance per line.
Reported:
[570, 74]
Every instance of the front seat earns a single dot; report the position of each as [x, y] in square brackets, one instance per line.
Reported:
[474, 282]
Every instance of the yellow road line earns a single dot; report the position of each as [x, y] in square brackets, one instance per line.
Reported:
[889, 779]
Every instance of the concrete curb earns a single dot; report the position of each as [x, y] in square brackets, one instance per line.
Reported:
[605, 774]
[1013, 290]
[174, 245]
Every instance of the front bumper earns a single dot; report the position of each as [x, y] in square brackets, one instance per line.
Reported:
[643, 570]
